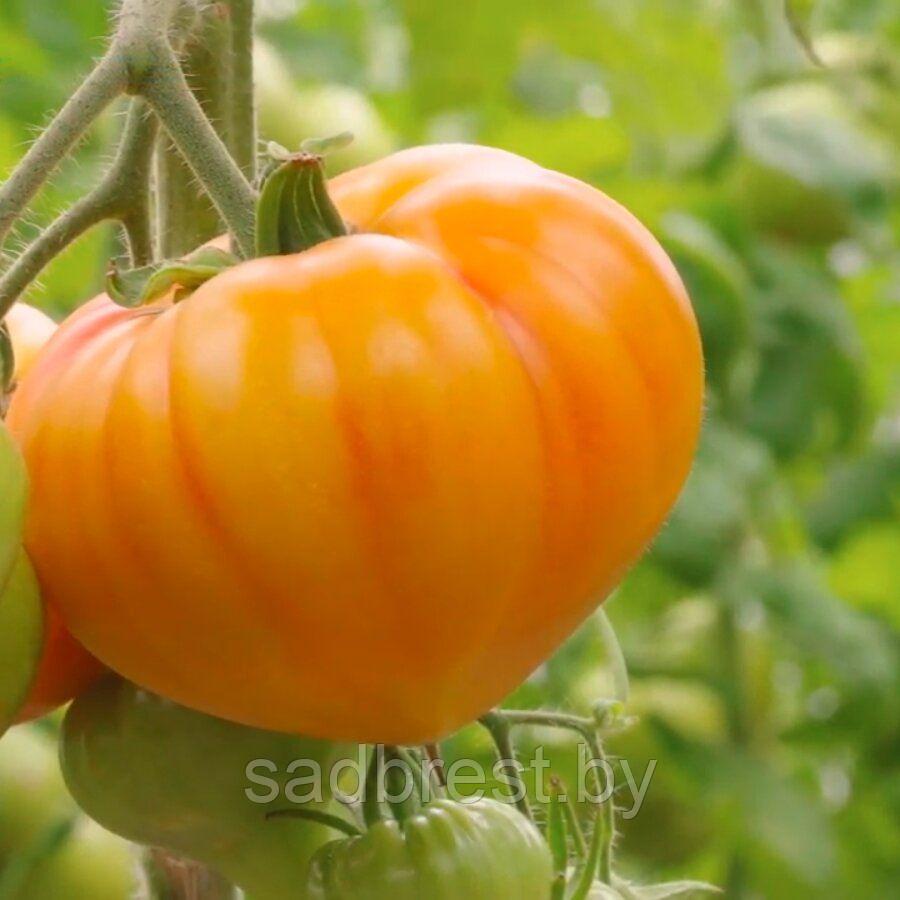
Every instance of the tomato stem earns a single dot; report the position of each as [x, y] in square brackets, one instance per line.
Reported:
[558, 830]
[436, 769]
[185, 216]
[575, 828]
[399, 777]
[605, 825]
[172, 877]
[586, 877]
[106, 82]
[141, 61]
[243, 125]
[372, 807]
[118, 195]
[178, 109]
[499, 727]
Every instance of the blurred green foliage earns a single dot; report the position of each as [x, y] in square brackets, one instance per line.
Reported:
[763, 629]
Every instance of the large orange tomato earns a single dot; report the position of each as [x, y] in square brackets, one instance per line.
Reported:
[362, 491]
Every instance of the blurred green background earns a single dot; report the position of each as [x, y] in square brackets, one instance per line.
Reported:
[763, 629]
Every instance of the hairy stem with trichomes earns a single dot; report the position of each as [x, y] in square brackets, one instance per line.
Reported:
[142, 61]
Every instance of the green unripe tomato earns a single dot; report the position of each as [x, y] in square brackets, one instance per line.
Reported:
[163, 775]
[13, 490]
[479, 851]
[289, 114]
[90, 862]
[21, 637]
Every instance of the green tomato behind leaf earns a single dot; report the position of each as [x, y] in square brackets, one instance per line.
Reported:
[13, 491]
[21, 637]
[163, 775]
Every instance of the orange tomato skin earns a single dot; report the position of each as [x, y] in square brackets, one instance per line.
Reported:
[363, 491]
[64, 671]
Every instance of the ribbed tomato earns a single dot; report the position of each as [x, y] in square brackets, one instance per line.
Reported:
[362, 491]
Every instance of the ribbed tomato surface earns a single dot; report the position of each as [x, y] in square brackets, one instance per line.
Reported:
[363, 491]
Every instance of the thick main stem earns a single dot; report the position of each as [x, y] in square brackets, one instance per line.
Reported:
[186, 217]
[243, 145]
[167, 91]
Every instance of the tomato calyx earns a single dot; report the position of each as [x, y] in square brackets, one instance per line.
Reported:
[408, 848]
[294, 212]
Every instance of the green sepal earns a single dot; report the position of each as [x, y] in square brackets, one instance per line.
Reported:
[137, 287]
[324, 146]
[319, 818]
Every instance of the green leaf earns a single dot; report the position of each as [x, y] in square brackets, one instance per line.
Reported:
[810, 132]
[718, 284]
[821, 624]
[866, 573]
[712, 513]
[809, 390]
[862, 490]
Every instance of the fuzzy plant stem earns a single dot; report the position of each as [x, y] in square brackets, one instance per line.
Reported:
[119, 195]
[181, 114]
[100, 88]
